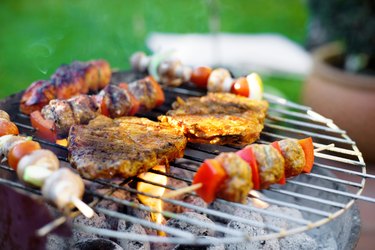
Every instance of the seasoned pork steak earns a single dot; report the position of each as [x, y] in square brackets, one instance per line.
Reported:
[218, 118]
[125, 146]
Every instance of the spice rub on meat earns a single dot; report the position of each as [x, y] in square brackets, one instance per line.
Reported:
[125, 146]
[218, 118]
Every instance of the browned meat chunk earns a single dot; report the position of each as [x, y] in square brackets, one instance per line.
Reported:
[125, 146]
[293, 155]
[145, 93]
[61, 113]
[68, 82]
[84, 108]
[238, 184]
[114, 101]
[37, 95]
[218, 118]
[270, 164]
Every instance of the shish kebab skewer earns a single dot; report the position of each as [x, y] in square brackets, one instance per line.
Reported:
[40, 168]
[56, 118]
[170, 71]
[67, 81]
[231, 176]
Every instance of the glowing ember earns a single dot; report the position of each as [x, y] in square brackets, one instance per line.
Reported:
[256, 202]
[154, 203]
[62, 142]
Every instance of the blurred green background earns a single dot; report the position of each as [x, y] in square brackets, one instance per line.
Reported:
[38, 36]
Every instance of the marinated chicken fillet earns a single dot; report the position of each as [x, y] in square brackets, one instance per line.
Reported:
[218, 118]
[125, 146]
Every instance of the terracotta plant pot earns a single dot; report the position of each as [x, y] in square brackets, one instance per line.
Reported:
[346, 98]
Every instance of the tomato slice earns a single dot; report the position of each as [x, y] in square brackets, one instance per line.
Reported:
[8, 128]
[211, 174]
[46, 129]
[276, 145]
[20, 150]
[134, 102]
[241, 87]
[160, 98]
[200, 76]
[248, 155]
[308, 149]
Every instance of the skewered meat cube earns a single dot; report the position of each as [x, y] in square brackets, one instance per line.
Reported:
[84, 108]
[61, 113]
[218, 118]
[114, 101]
[270, 164]
[238, 183]
[125, 146]
[293, 155]
[148, 92]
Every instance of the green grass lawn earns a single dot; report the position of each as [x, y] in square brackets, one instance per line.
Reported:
[37, 36]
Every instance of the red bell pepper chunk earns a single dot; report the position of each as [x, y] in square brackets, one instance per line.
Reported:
[211, 174]
[46, 129]
[276, 145]
[248, 155]
[308, 149]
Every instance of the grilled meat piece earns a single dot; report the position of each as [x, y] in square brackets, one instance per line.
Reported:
[84, 108]
[61, 113]
[218, 118]
[238, 184]
[125, 146]
[293, 155]
[270, 164]
[35, 97]
[67, 81]
[65, 113]
[114, 101]
[145, 93]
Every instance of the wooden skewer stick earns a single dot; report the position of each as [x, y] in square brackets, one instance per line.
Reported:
[332, 145]
[82, 207]
[183, 190]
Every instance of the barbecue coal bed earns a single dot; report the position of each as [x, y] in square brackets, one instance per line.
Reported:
[314, 211]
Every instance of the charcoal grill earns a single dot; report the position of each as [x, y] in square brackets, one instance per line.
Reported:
[284, 119]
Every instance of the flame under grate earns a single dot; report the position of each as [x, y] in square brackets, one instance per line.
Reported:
[284, 119]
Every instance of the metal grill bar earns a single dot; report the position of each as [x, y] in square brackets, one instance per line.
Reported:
[303, 132]
[306, 197]
[351, 172]
[305, 124]
[296, 115]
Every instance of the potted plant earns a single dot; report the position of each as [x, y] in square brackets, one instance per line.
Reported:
[341, 85]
